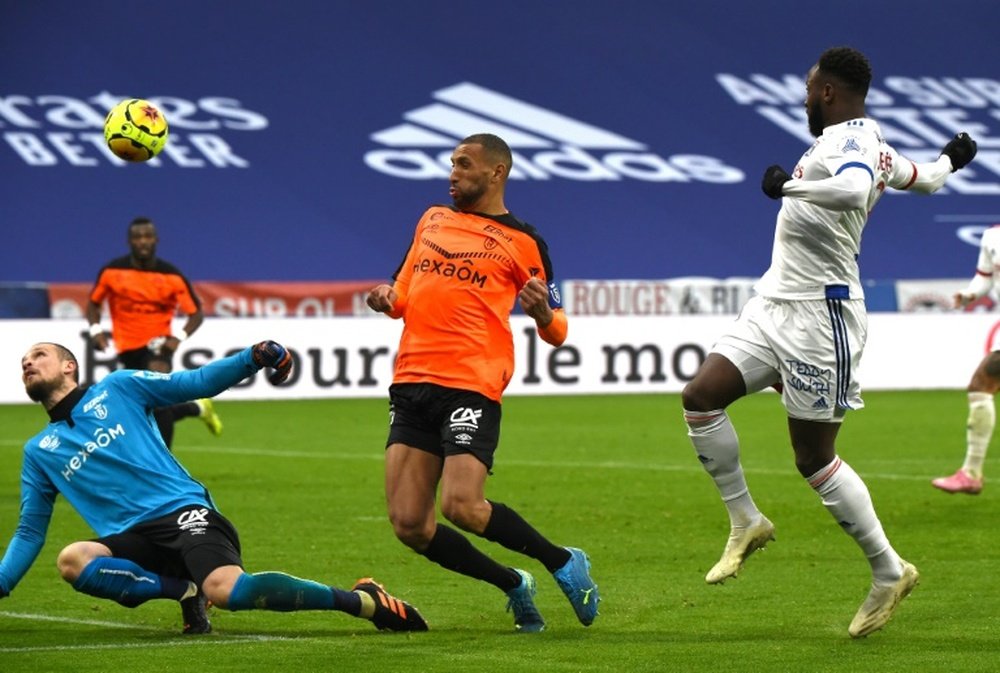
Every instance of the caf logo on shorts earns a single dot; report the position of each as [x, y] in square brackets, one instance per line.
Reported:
[464, 418]
[195, 521]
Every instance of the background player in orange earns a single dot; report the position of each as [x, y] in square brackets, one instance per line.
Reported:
[465, 268]
[143, 294]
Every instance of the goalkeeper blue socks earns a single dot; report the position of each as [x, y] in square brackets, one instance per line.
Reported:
[285, 593]
[130, 585]
[127, 583]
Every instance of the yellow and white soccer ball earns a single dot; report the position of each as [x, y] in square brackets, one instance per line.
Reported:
[135, 130]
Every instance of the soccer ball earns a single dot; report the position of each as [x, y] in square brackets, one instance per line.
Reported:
[135, 130]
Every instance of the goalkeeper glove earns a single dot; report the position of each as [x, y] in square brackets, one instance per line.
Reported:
[775, 178]
[274, 355]
[961, 149]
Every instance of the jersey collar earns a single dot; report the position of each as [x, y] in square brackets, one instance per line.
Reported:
[63, 410]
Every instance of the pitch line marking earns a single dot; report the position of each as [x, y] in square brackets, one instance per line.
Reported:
[600, 465]
[228, 640]
[181, 640]
[583, 465]
[73, 620]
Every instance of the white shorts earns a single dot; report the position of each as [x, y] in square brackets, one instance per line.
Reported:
[814, 346]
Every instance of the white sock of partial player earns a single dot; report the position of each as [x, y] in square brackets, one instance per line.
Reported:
[718, 447]
[982, 419]
[846, 497]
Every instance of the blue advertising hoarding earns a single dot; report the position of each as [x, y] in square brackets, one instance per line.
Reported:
[306, 137]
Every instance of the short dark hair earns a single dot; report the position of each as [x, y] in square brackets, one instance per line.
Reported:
[495, 146]
[848, 65]
[65, 355]
[139, 221]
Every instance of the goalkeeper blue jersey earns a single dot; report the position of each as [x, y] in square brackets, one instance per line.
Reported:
[103, 452]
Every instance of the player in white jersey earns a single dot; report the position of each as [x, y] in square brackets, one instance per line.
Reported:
[985, 380]
[805, 330]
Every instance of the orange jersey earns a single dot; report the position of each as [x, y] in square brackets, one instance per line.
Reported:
[456, 289]
[142, 301]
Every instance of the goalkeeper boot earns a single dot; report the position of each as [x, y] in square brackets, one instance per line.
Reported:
[960, 482]
[742, 542]
[574, 580]
[521, 601]
[194, 610]
[391, 614]
[207, 413]
[882, 601]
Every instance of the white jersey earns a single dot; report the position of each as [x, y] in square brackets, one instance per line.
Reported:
[817, 246]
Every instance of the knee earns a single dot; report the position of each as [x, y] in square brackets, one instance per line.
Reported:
[810, 461]
[413, 529]
[689, 397]
[468, 514]
[72, 560]
[216, 593]
[695, 397]
[218, 586]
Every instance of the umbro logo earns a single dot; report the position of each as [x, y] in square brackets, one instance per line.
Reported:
[546, 143]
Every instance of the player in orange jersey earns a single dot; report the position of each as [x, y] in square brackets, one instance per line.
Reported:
[143, 294]
[466, 266]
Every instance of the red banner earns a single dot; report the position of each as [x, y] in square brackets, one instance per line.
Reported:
[256, 299]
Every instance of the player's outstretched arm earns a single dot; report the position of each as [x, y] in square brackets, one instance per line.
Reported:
[960, 150]
[274, 355]
[26, 545]
[931, 176]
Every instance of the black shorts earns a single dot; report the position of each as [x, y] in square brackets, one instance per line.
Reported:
[444, 421]
[189, 544]
[140, 358]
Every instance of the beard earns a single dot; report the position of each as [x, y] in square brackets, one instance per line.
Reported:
[40, 390]
[816, 121]
[465, 200]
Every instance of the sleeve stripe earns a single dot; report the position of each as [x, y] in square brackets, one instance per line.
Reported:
[913, 179]
[856, 164]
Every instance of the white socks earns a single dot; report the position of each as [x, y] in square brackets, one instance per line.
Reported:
[982, 419]
[718, 447]
[843, 492]
[846, 497]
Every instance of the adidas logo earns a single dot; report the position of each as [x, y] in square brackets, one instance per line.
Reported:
[820, 403]
[545, 144]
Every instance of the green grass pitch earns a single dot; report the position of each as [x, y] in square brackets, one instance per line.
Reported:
[615, 475]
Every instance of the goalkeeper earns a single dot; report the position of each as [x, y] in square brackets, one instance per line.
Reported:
[159, 532]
